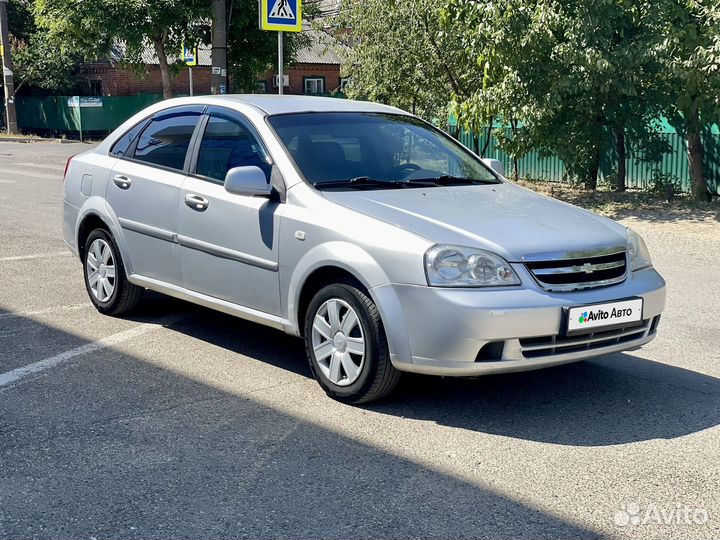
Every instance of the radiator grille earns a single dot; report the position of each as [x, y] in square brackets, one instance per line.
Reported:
[579, 273]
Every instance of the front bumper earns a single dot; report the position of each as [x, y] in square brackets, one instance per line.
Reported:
[468, 332]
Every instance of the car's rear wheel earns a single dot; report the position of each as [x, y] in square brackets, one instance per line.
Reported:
[346, 345]
[105, 279]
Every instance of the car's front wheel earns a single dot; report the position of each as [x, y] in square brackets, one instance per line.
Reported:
[105, 280]
[346, 345]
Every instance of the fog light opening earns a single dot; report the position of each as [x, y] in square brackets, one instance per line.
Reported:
[491, 352]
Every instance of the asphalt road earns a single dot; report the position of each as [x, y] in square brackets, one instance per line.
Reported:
[179, 422]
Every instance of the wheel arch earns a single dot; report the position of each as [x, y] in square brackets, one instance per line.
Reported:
[328, 261]
[319, 278]
[94, 214]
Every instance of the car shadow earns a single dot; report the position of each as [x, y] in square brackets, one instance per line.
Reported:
[111, 445]
[611, 400]
[621, 398]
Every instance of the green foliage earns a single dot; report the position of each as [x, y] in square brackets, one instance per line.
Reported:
[663, 182]
[572, 74]
[690, 55]
[570, 77]
[252, 51]
[20, 19]
[90, 28]
[36, 62]
[403, 56]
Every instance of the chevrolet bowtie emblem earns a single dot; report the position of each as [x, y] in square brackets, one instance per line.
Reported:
[587, 268]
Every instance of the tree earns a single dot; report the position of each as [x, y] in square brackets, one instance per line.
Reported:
[37, 62]
[402, 56]
[573, 78]
[690, 53]
[93, 27]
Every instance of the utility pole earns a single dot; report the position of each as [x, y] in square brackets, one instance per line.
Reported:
[7, 66]
[219, 47]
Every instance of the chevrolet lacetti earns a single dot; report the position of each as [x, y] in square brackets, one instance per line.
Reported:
[384, 243]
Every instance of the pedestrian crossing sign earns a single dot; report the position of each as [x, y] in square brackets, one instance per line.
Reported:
[281, 15]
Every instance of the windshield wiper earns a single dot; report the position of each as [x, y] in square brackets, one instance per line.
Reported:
[449, 180]
[361, 181]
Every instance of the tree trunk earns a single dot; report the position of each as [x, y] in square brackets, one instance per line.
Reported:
[513, 128]
[621, 152]
[591, 180]
[159, 43]
[698, 185]
[487, 139]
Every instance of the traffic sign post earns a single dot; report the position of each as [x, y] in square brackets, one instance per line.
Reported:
[281, 16]
[190, 58]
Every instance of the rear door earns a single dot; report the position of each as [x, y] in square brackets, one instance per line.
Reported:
[144, 192]
[228, 242]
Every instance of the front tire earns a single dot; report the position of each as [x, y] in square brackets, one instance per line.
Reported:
[346, 345]
[105, 280]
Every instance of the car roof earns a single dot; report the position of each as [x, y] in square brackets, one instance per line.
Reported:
[274, 104]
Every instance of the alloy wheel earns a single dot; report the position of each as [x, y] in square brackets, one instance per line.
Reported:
[100, 269]
[338, 342]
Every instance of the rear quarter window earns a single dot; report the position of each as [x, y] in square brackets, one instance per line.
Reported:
[121, 146]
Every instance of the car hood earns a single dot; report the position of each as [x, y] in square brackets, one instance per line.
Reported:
[503, 218]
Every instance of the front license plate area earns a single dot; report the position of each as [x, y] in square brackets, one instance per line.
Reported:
[605, 316]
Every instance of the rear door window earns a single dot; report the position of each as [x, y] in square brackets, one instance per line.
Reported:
[166, 139]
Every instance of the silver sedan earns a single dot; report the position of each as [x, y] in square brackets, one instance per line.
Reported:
[384, 243]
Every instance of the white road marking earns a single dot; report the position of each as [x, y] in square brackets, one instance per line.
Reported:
[36, 312]
[8, 181]
[17, 374]
[31, 174]
[36, 256]
[55, 168]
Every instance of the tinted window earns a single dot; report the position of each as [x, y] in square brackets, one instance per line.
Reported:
[120, 148]
[387, 147]
[165, 141]
[226, 144]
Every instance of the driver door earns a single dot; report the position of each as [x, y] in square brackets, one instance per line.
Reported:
[228, 242]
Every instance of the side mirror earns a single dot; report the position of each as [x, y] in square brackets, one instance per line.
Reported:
[496, 165]
[249, 181]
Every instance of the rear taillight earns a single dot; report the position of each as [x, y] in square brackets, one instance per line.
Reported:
[67, 166]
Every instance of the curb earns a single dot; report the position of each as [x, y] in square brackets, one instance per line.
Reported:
[36, 140]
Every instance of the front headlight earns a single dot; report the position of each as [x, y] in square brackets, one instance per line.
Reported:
[456, 266]
[637, 251]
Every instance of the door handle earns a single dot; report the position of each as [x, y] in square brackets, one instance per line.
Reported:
[196, 202]
[122, 181]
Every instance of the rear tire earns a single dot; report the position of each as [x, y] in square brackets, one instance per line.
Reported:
[105, 279]
[346, 345]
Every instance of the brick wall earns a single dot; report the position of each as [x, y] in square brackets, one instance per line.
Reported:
[117, 81]
[299, 72]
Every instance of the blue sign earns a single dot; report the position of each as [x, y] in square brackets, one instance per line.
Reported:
[281, 15]
[190, 56]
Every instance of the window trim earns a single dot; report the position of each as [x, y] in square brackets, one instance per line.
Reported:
[313, 78]
[233, 115]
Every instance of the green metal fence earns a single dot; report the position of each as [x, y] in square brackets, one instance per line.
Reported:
[639, 173]
[81, 117]
[84, 117]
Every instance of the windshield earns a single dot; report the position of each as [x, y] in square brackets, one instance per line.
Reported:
[372, 150]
